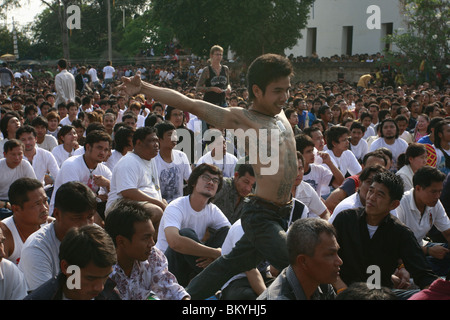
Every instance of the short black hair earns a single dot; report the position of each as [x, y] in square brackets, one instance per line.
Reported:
[25, 129]
[121, 218]
[18, 190]
[141, 133]
[90, 243]
[393, 182]
[75, 197]
[163, 127]
[426, 175]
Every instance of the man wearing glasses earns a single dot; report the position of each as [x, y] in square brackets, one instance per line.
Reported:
[192, 229]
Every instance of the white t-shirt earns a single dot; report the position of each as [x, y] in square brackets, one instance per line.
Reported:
[113, 159]
[179, 214]
[172, 175]
[306, 194]
[39, 259]
[75, 169]
[8, 175]
[65, 121]
[44, 162]
[360, 150]
[93, 73]
[346, 163]
[109, 72]
[318, 177]
[12, 282]
[133, 172]
[397, 148]
[49, 143]
[370, 131]
[61, 154]
[227, 164]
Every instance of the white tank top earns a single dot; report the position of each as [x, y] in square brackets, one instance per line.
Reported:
[18, 243]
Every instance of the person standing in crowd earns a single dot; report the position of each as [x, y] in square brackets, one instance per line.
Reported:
[64, 84]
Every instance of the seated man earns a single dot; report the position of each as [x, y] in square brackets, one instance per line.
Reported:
[371, 239]
[141, 271]
[75, 206]
[12, 167]
[218, 155]
[318, 176]
[314, 263]
[88, 168]
[358, 199]
[173, 165]
[86, 257]
[351, 184]
[135, 176]
[30, 213]
[43, 162]
[303, 192]
[230, 197]
[193, 229]
[420, 209]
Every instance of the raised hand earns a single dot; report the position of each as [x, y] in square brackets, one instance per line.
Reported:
[131, 86]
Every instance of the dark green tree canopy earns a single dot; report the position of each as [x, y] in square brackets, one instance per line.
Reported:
[249, 28]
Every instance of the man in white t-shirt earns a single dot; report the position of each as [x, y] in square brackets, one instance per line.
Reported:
[193, 229]
[135, 176]
[173, 165]
[305, 193]
[108, 73]
[218, 154]
[389, 139]
[343, 159]
[320, 177]
[75, 206]
[358, 145]
[93, 73]
[88, 168]
[420, 209]
[43, 162]
[44, 140]
[13, 167]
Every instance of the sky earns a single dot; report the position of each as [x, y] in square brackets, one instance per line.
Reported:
[25, 14]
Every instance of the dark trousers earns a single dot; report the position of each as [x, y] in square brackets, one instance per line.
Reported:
[264, 238]
[183, 266]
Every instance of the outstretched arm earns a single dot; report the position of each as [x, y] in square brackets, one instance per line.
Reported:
[228, 118]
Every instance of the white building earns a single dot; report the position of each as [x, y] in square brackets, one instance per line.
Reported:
[348, 27]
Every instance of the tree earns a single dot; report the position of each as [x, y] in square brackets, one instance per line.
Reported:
[250, 28]
[424, 43]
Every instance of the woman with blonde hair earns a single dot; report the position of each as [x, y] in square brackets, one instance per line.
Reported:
[214, 81]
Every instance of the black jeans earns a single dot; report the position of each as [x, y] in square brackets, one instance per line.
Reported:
[264, 238]
[183, 266]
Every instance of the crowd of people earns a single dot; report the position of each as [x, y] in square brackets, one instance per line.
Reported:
[139, 182]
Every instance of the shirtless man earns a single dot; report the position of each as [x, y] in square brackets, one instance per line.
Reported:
[264, 213]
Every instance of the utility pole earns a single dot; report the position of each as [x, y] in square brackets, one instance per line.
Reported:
[109, 31]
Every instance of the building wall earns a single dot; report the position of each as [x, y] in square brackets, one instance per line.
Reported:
[332, 19]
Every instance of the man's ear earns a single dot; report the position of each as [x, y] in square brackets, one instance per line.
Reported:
[257, 92]
[64, 265]
[394, 204]
[121, 240]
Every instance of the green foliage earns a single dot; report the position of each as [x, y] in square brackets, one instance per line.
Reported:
[426, 39]
[249, 28]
